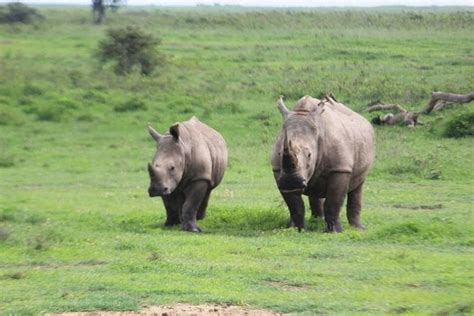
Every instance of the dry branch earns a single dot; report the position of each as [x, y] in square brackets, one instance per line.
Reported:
[398, 115]
[437, 97]
[385, 107]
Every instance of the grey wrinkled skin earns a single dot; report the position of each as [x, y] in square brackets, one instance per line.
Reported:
[189, 163]
[324, 150]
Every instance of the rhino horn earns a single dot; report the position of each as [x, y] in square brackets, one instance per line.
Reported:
[156, 136]
[289, 159]
[286, 145]
[282, 108]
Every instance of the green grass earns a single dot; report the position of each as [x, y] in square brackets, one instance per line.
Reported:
[78, 231]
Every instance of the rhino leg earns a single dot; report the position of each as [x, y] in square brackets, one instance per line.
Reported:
[354, 207]
[173, 204]
[337, 186]
[317, 206]
[203, 207]
[296, 206]
[195, 194]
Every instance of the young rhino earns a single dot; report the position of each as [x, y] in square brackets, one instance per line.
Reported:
[188, 164]
[324, 151]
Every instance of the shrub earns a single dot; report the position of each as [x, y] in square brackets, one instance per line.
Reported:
[461, 125]
[17, 12]
[128, 48]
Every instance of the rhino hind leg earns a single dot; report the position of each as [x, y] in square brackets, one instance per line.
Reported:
[317, 206]
[201, 213]
[173, 205]
[338, 184]
[354, 207]
[195, 194]
[296, 207]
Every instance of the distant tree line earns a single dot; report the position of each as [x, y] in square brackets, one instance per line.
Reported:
[16, 12]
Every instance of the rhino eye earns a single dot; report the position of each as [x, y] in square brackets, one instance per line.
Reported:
[309, 155]
[172, 168]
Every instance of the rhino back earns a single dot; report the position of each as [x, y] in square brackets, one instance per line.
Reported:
[207, 153]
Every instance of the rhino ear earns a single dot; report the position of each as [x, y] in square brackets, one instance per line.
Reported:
[282, 108]
[156, 136]
[174, 131]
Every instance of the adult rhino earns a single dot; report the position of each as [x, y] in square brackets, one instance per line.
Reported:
[188, 164]
[324, 150]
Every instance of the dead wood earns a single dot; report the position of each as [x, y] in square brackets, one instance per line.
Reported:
[385, 107]
[437, 97]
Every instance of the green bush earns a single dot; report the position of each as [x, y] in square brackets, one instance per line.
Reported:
[461, 125]
[128, 48]
[17, 12]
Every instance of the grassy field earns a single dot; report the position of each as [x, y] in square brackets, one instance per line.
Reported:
[78, 231]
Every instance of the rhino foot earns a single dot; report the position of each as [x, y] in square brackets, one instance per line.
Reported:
[291, 224]
[333, 228]
[358, 226]
[192, 228]
[169, 223]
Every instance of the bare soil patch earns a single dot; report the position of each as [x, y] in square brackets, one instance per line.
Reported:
[181, 309]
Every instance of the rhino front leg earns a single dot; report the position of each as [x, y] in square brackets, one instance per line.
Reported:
[317, 206]
[338, 184]
[173, 205]
[295, 204]
[354, 207]
[203, 207]
[195, 194]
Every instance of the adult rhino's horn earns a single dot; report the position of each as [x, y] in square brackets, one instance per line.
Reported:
[289, 160]
[282, 108]
[156, 136]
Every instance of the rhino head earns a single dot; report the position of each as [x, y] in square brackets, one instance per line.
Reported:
[167, 168]
[298, 149]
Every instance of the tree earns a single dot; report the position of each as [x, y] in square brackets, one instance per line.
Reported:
[98, 11]
[129, 47]
[99, 8]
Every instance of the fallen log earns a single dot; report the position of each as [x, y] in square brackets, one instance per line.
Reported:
[405, 117]
[446, 97]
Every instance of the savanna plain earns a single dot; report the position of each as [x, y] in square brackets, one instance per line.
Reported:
[78, 231]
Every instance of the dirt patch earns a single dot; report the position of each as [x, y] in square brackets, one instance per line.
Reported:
[181, 309]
